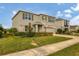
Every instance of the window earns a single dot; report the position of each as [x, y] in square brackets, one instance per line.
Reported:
[44, 18]
[51, 19]
[30, 16]
[27, 16]
[66, 23]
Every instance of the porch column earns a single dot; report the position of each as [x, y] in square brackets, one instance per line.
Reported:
[36, 28]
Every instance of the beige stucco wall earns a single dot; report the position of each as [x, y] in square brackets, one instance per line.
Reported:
[59, 24]
[19, 23]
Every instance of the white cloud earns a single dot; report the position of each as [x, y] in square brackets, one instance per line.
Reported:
[68, 11]
[14, 12]
[59, 14]
[6, 26]
[75, 20]
[75, 8]
[68, 15]
[72, 8]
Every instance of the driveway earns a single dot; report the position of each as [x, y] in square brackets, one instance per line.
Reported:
[47, 49]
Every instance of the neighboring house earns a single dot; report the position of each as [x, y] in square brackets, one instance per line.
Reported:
[39, 22]
[74, 28]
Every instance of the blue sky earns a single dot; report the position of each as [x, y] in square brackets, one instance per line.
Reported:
[64, 10]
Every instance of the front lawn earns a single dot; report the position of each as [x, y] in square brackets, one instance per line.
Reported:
[70, 51]
[14, 44]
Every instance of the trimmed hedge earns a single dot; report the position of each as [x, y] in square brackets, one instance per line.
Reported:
[59, 31]
[32, 34]
[43, 34]
[25, 34]
[20, 33]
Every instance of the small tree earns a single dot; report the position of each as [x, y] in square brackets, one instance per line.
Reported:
[1, 28]
[1, 31]
[12, 30]
[5, 31]
[77, 31]
[30, 33]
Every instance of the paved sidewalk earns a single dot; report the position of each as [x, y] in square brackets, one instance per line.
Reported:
[47, 49]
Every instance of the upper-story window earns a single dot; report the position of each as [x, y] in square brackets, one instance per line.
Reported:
[44, 18]
[66, 23]
[51, 19]
[27, 16]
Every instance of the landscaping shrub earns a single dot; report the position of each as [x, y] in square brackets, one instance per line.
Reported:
[5, 31]
[20, 34]
[25, 34]
[59, 31]
[12, 30]
[43, 34]
[66, 31]
[1, 31]
[1, 34]
[1, 28]
[77, 31]
[30, 34]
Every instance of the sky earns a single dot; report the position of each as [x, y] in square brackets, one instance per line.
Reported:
[69, 11]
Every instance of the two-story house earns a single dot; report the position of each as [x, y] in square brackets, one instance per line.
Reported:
[39, 22]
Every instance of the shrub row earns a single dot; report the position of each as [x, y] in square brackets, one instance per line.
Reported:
[23, 34]
[43, 34]
[31, 34]
[65, 31]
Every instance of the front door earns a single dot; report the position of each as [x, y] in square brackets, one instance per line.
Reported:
[39, 28]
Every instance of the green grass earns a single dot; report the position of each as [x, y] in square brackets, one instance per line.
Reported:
[70, 51]
[14, 44]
